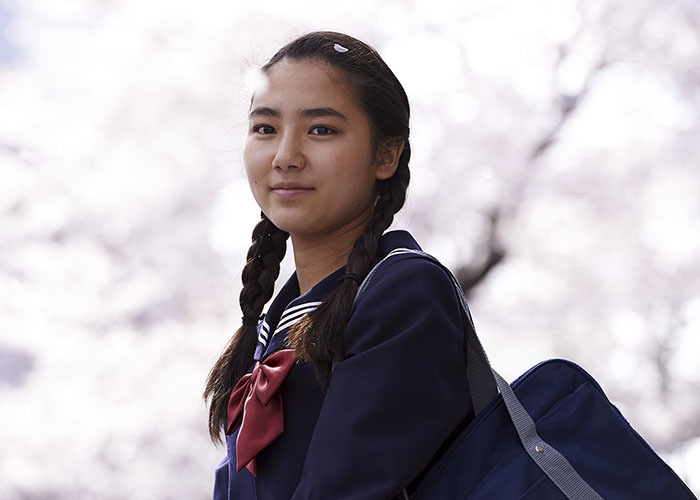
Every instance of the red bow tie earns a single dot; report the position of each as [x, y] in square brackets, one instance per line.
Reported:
[256, 405]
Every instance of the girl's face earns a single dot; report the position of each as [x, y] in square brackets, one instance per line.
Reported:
[309, 152]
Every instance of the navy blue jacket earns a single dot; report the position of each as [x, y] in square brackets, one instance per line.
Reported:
[391, 403]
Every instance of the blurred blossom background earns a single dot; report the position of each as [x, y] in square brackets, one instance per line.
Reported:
[555, 169]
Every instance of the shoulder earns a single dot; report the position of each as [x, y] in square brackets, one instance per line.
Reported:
[407, 274]
[408, 300]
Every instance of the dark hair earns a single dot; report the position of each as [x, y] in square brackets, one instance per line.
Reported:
[318, 338]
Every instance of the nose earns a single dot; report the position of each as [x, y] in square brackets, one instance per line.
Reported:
[289, 153]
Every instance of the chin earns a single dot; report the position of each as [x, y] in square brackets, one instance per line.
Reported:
[294, 220]
[291, 225]
[303, 229]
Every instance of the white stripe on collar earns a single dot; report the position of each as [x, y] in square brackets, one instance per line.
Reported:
[289, 317]
[294, 314]
[264, 332]
[290, 310]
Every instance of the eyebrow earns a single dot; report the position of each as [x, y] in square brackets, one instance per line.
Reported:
[304, 113]
[321, 112]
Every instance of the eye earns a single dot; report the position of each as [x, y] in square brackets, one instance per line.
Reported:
[263, 129]
[321, 130]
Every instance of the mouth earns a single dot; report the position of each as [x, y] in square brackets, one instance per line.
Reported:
[290, 185]
[290, 188]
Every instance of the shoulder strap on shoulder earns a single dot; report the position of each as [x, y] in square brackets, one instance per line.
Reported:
[482, 383]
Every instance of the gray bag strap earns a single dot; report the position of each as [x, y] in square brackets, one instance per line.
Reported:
[552, 463]
[483, 381]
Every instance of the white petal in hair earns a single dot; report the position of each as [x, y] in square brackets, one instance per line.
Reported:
[339, 48]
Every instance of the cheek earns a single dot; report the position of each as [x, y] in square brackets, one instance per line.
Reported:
[252, 176]
[255, 179]
[351, 173]
[253, 162]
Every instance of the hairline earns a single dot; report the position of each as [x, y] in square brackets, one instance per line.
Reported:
[335, 72]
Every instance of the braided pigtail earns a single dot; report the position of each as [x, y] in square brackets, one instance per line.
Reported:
[269, 244]
[318, 338]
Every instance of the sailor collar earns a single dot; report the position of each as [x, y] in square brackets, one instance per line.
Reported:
[289, 307]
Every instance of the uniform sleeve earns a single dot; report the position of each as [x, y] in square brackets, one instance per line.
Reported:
[398, 394]
[221, 481]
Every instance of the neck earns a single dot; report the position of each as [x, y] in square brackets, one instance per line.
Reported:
[317, 257]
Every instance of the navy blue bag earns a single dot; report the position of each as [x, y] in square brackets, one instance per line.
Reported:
[574, 417]
[552, 435]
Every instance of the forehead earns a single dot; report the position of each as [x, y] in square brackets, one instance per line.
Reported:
[291, 84]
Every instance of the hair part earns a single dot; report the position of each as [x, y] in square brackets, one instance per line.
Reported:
[318, 338]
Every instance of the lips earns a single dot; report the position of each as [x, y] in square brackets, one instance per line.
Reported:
[290, 186]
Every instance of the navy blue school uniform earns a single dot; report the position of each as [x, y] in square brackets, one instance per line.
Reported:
[391, 403]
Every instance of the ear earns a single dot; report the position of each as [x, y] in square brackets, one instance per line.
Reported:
[388, 154]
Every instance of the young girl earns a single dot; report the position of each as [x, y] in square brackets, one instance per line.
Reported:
[323, 398]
